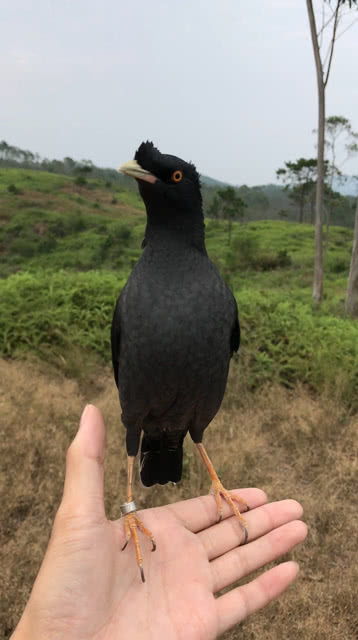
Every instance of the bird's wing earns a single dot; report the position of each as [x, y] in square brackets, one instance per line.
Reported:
[235, 332]
[116, 341]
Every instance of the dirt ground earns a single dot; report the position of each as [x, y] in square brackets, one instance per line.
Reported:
[286, 442]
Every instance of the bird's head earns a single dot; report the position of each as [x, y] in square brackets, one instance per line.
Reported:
[166, 183]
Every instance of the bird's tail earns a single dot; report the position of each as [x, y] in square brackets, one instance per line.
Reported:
[161, 460]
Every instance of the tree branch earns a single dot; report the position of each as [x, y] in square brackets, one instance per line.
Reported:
[324, 25]
[346, 29]
[335, 25]
[316, 52]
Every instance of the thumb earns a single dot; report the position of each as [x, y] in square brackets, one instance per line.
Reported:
[83, 490]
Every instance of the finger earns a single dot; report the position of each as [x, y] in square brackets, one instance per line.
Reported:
[227, 535]
[242, 561]
[236, 605]
[83, 490]
[200, 513]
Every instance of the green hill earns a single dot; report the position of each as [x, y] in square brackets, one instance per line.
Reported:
[68, 239]
[263, 202]
[66, 249]
[52, 221]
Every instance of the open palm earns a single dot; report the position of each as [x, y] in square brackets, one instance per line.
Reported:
[87, 588]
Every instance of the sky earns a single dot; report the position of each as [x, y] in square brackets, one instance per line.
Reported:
[227, 84]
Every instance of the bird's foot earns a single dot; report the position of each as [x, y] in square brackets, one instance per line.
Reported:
[131, 525]
[220, 493]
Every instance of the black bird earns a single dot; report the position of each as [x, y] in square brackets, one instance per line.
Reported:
[174, 330]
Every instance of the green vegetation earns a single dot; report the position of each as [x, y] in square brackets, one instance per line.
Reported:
[66, 251]
[48, 221]
[265, 202]
[49, 313]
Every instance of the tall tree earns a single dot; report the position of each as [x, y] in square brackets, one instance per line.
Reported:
[340, 143]
[300, 178]
[231, 207]
[4, 149]
[213, 210]
[322, 74]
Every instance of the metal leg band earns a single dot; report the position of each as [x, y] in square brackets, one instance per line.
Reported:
[128, 507]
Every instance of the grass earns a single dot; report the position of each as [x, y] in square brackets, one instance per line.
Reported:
[43, 210]
[50, 312]
[288, 422]
[290, 443]
[28, 180]
[34, 239]
[50, 216]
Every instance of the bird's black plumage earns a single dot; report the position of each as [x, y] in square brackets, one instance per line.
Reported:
[175, 325]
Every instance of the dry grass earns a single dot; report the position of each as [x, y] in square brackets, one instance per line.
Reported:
[288, 443]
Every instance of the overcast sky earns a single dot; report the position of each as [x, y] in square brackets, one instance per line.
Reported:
[228, 84]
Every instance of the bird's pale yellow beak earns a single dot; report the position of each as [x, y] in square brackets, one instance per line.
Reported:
[134, 170]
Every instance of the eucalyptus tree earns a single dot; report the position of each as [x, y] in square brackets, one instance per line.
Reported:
[329, 31]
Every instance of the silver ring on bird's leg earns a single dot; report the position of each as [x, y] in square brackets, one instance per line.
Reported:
[128, 507]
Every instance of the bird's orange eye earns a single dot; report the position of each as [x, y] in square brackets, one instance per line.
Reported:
[177, 176]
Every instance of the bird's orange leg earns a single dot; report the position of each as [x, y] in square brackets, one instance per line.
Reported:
[220, 492]
[132, 522]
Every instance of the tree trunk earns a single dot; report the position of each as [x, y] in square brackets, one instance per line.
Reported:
[317, 292]
[301, 205]
[311, 208]
[352, 289]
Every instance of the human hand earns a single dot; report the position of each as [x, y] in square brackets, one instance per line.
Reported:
[87, 589]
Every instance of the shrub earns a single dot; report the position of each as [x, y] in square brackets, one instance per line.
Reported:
[24, 247]
[120, 232]
[42, 311]
[283, 341]
[12, 188]
[80, 181]
[247, 253]
[286, 342]
[246, 244]
[339, 264]
[283, 258]
[267, 262]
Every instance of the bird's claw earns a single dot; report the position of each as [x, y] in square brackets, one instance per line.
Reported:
[220, 493]
[131, 525]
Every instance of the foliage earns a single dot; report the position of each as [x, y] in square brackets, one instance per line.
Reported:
[283, 339]
[61, 178]
[323, 65]
[230, 207]
[299, 178]
[44, 311]
[80, 180]
[246, 253]
[66, 264]
[35, 238]
[12, 156]
[28, 180]
[12, 188]
[341, 143]
[254, 197]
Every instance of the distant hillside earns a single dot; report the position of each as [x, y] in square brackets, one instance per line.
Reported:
[212, 182]
[263, 202]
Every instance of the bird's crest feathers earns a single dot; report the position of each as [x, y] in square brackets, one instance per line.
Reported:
[151, 159]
